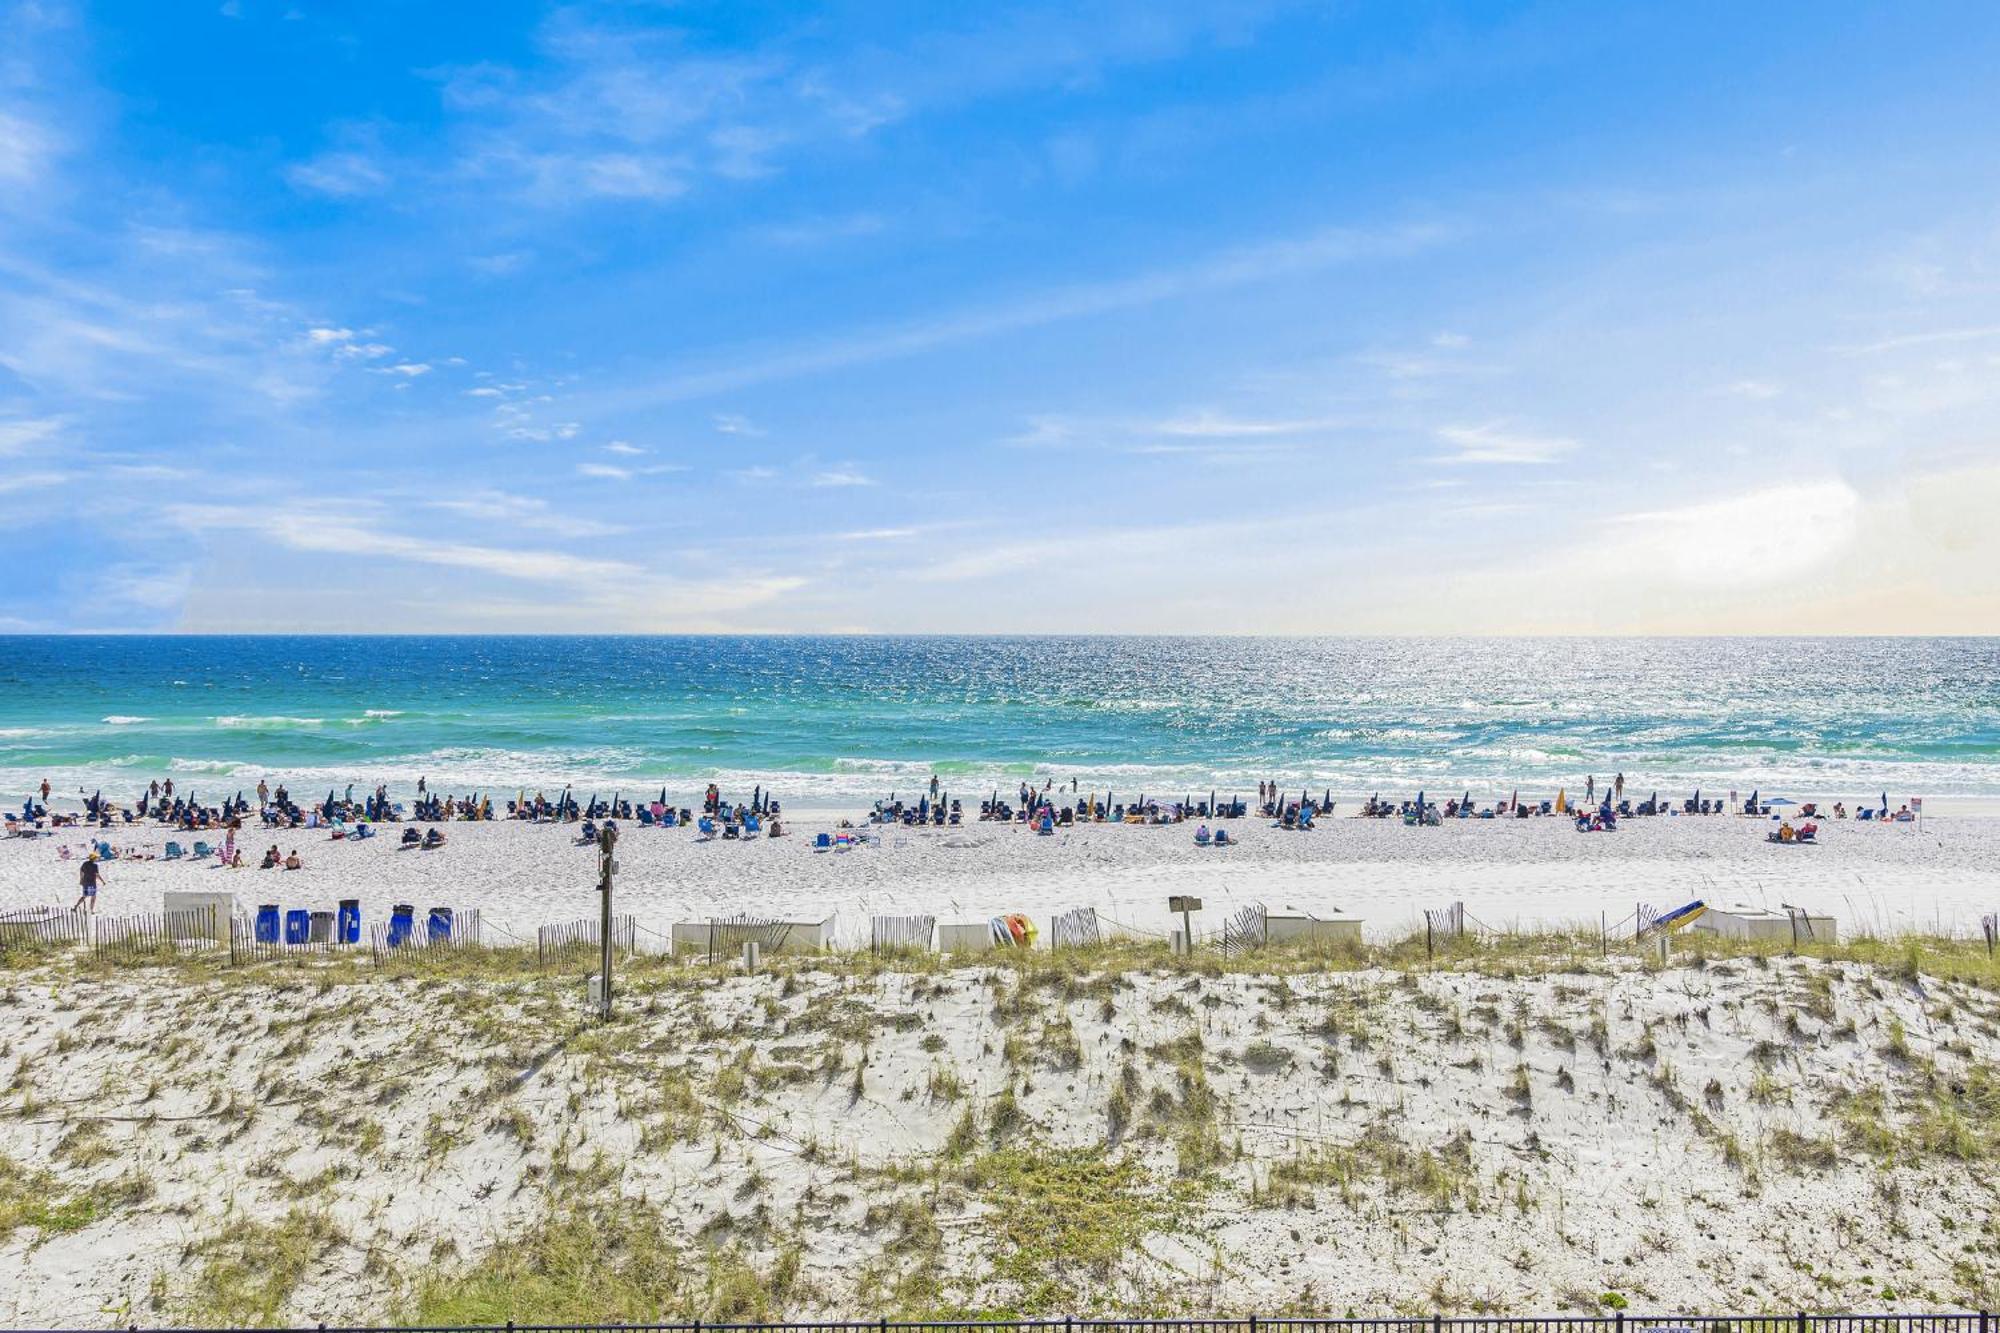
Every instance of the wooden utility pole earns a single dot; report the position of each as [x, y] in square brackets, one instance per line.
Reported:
[607, 843]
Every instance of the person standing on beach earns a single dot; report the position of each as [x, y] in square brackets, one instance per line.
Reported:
[88, 876]
[263, 793]
[45, 791]
[1618, 786]
[1590, 788]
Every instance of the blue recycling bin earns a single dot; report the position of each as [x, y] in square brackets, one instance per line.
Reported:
[347, 930]
[402, 924]
[267, 923]
[298, 926]
[440, 924]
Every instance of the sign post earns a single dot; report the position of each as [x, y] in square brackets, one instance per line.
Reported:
[1185, 905]
[607, 842]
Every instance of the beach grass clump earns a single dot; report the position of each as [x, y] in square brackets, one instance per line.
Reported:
[34, 1199]
[1061, 1224]
[249, 1270]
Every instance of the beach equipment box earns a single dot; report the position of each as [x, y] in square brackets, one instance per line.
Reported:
[965, 937]
[1741, 921]
[181, 900]
[1339, 927]
[728, 936]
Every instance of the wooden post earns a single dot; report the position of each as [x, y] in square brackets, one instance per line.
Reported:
[607, 842]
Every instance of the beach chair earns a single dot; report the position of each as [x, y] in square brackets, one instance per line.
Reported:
[823, 842]
[1222, 838]
[202, 851]
[174, 851]
[706, 826]
[1202, 837]
[752, 826]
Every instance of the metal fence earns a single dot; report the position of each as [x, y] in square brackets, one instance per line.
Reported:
[1618, 1322]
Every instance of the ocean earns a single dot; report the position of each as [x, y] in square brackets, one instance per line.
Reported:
[839, 721]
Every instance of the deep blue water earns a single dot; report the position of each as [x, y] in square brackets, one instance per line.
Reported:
[842, 719]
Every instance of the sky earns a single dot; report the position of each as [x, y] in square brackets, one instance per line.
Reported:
[1141, 317]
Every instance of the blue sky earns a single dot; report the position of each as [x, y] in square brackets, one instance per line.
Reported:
[1254, 317]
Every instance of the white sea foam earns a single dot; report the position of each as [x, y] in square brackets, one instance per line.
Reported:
[274, 723]
[123, 720]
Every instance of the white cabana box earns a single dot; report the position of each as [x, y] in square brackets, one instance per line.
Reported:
[726, 938]
[966, 937]
[183, 910]
[1289, 926]
[1741, 921]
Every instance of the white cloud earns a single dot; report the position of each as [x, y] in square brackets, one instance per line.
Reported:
[1449, 341]
[876, 535]
[20, 433]
[842, 476]
[623, 447]
[1755, 389]
[1222, 271]
[330, 335]
[524, 512]
[25, 150]
[604, 470]
[332, 532]
[1211, 426]
[340, 175]
[1492, 443]
[410, 369]
[730, 423]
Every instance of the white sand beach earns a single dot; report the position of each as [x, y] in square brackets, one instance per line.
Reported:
[1939, 876]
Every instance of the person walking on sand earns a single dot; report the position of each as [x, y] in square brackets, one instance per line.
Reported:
[1618, 786]
[88, 876]
[263, 793]
[1590, 789]
[45, 791]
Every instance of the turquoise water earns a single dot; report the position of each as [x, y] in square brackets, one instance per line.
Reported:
[833, 721]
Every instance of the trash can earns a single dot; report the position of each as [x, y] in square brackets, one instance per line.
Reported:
[267, 923]
[322, 928]
[402, 924]
[348, 930]
[298, 926]
[440, 923]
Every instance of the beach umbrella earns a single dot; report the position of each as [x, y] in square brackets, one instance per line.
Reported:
[1326, 799]
[1211, 800]
[1781, 800]
[1885, 802]
[1754, 802]
[1514, 801]
[663, 796]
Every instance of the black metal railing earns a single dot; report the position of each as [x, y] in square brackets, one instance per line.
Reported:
[1615, 1322]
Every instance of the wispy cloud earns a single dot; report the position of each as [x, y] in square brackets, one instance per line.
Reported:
[842, 476]
[1494, 443]
[876, 535]
[327, 530]
[1218, 272]
[341, 174]
[1978, 333]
